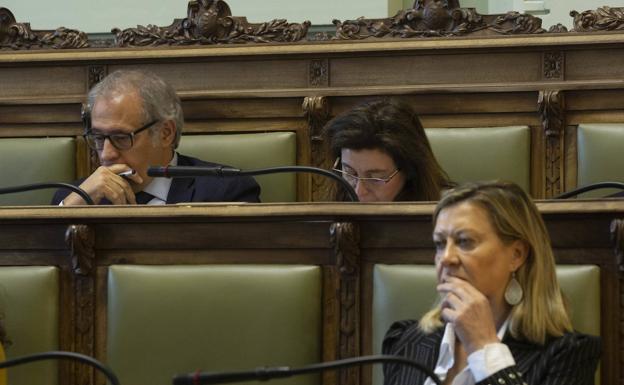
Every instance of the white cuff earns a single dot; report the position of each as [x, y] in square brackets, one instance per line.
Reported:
[489, 360]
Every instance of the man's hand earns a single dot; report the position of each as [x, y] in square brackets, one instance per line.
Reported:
[105, 183]
[470, 313]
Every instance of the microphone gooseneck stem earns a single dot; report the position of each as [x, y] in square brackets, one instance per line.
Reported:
[112, 378]
[41, 186]
[590, 187]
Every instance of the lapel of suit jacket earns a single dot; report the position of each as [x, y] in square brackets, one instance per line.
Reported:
[421, 347]
[182, 189]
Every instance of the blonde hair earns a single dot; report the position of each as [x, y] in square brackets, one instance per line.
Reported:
[542, 312]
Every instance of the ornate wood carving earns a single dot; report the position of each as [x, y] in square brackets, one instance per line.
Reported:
[316, 110]
[345, 240]
[430, 18]
[551, 106]
[553, 64]
[211, 22]
[14, 35]
[80, 240]
[602, 19]
[617, 239]
[96, 74]
[319, 73]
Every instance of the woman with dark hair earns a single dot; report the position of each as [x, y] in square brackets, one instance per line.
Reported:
[501, 317]
[381, 149]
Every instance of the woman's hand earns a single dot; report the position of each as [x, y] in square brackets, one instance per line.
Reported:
[470, 313]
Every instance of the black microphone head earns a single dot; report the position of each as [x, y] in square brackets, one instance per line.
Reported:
[157, 171]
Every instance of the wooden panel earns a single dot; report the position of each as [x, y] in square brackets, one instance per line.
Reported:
[605, 64]
[34, 81]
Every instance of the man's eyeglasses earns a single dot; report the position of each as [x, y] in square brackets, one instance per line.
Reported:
[119, 141]
[368, 182]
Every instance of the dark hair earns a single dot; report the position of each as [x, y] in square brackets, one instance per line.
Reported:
[394, 128]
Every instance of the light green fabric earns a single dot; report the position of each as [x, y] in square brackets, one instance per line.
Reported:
[600, 149]
[408, 291]
[474, 154]
[29, 303]
[32, 160]
[164, 320]
[249, 152]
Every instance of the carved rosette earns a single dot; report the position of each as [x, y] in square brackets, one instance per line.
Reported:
[602, 19]
[80, 240]
[553, 65]
[551, 105]
[316, 111]
[345, 240]
[211, 22]
[18, 36]
[318, 74]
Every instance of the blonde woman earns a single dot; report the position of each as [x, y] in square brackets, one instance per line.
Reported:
[501, 318]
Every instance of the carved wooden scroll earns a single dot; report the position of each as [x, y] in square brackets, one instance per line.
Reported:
[80, 240]
[14, 35]
[316, 110]
[345, 240]
[602, 19]
[430, 18]
[211, 22]
[551, 106]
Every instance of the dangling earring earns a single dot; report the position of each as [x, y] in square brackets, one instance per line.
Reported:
[513, 293]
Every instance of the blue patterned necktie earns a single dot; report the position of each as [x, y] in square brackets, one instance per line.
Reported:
[143, 198]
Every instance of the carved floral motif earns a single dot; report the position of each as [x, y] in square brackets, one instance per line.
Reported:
[211, 22]
[553, 65]
[16, 36]
[602, 19]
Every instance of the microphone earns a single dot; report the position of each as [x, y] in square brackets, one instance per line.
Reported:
[223, 171]
[265, 374]
[112, 378]
[41, 186]
[590, 187]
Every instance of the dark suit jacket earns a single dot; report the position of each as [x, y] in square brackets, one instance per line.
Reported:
[200, 189]
[568, 360]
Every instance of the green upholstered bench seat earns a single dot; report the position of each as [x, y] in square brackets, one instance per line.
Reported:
[599, 157]
[164, 320]
[473, 154]
[248, 152]
[29, 302]
[408, 291]
[32, 160]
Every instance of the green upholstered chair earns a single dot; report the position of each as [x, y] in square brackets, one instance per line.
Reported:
[165, 320]
[31, 160]
[29, 303]
[473, 154]
[408, 291]
[248, 152]
[599, 158]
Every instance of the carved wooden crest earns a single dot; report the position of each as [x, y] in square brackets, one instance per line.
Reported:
[14, 35]
[211, 22]
[602, 19]
[431, 18]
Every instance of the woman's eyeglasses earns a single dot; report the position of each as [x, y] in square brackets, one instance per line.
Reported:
[366, 181]
[119, 141]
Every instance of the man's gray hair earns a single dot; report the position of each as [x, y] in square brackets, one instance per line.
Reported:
[160, 100]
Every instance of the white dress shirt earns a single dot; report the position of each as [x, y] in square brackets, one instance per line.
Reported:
[159, 187]
[481, 364]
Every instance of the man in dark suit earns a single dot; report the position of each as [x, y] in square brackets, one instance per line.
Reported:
[133, 120]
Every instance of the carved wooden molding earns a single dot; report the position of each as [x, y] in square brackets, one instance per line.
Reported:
[96, 74]
[345, 240]
[80, 240]
[318, 74]
[617, 239]
[551, 105]
[14, 35]
[602, 19]
[211, 22]
[316, 110]
[553, 64]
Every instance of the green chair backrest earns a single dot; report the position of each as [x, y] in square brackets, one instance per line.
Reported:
[599, 157]
[32, 160]
[166, 320]
[473, 154]
[248, 152]
[408, 291]
[29, 303]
